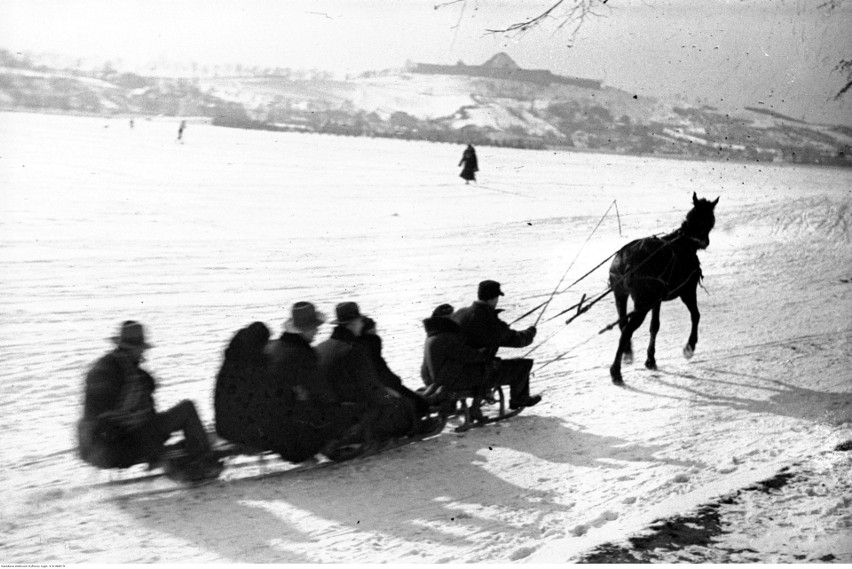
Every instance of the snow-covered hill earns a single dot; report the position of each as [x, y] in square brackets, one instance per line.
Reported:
[443, 108]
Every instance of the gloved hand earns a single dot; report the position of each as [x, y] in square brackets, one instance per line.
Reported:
[532, 330]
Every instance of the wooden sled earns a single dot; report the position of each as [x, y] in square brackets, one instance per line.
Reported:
[463, 409]
[175, 464]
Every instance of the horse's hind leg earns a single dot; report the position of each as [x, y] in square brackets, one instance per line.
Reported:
[621, 308]
[651, 362]
[633, 322]
[691, 303]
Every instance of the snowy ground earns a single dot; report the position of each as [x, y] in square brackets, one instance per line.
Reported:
[101, 223]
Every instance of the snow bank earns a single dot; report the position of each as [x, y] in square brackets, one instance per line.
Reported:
[198, 239]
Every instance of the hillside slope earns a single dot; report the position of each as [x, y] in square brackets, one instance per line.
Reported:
[441, 108]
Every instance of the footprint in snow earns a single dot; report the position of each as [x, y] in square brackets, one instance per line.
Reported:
[580, 530]
[605, 517]
[521, 552]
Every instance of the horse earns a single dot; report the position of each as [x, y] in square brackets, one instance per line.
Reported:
[657, 269]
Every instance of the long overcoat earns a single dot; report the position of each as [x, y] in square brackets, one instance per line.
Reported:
[99, 443]
[471, 164]
[447, 360]
[345, 364]
[316, 415]
[243, 403]
[373, 345]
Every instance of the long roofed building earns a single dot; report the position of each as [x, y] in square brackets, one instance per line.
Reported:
[501, 66]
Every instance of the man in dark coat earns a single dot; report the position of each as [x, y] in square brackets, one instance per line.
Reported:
[120, 425]
[447, 360]
[471, 164]
[449, 364]
[346, 366]
[371, 340]
[482, 328]
[313, 420]
[243, 376]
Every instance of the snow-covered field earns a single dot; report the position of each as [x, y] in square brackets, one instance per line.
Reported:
[101, 223]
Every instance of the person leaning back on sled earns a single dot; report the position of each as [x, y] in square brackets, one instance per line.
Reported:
[449, 365]
[482, 328]
[120, 425]
[345, 364]
[315, 420]
[372, 342]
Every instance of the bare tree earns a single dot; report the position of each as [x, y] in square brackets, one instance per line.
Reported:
[574, 13]
[562, 12]
[845, 66]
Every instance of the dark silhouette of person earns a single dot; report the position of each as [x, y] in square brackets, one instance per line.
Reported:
[471, 165]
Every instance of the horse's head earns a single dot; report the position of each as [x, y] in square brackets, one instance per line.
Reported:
[700, 220]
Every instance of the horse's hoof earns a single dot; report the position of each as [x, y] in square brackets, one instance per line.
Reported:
[651, 364]
[618, 381]
[627, 359]
[688, 352]
[616, 376]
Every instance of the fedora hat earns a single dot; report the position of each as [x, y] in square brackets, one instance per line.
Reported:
[304, 317]
[488, 290]
[346, 312]
[131, 335]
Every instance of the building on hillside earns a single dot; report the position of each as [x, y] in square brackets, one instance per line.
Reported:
[501, 66]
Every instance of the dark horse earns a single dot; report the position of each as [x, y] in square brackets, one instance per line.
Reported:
[656, 269]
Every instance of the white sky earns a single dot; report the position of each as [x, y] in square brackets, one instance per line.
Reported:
[774, 53]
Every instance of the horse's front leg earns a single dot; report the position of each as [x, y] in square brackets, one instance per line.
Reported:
[651, 362]
[691, 303]
[621, 308]
[633, 322]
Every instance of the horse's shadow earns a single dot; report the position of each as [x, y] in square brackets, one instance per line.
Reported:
[436, 491]
[786, 399]
[554, 439]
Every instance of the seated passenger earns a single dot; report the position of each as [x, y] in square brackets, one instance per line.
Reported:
[345, 365]
[314, 420]
[450, 364]
[370, 339]
[121, 426]
[481, 328]
[243, 375]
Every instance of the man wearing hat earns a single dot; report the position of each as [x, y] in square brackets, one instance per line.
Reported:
[120, 425]
[345, 364]
[482, 328]
[313, 420]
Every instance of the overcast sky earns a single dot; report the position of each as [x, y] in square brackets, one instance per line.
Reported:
[777, 54]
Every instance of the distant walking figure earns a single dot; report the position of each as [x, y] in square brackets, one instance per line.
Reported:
[471, 167]
[181, 128]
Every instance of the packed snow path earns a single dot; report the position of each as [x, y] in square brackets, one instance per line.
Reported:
[101, 223]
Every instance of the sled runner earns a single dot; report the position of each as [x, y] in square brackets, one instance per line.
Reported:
[177, 465]
[461, 408]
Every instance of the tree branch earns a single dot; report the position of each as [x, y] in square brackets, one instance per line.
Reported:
[571, 12]
[845, 66]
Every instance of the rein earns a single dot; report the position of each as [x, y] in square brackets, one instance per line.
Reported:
[545, 304]
[583, 306]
